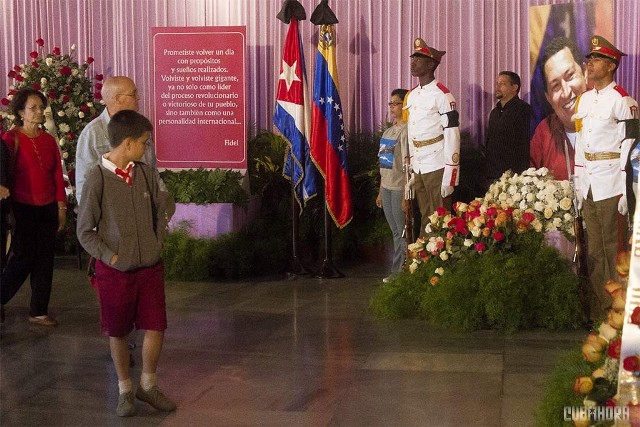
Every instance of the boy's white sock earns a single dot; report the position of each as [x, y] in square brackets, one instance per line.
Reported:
[125, 386]
[147, 381]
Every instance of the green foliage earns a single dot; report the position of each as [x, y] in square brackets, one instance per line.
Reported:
[527, 287]
[202, 186]
[558, 390]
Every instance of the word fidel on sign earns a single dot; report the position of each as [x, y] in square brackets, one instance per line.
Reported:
[597, 413]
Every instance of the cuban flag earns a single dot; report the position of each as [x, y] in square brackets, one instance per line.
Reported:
[292, 117]
[328, 140]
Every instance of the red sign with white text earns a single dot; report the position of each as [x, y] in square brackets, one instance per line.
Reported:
[199, 90]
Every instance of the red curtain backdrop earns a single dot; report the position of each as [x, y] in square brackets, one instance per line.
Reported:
[374, 41]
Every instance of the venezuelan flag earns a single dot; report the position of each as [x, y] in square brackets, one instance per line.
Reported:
[328, 139]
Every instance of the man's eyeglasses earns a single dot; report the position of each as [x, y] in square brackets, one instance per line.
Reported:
[394, 104]
[134, 94]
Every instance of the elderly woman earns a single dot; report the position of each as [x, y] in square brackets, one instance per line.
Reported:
[38, 201]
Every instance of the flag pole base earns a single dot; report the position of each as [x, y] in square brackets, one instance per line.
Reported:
[329, 271]
[296, 268]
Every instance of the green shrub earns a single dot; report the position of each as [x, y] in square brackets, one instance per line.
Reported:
[527, 287]
[203, 186]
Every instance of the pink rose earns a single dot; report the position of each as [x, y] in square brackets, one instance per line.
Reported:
[40, 42]
[491, 212]
[56, 50]
[480, 247]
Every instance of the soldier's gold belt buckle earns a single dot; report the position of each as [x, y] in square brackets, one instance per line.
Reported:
[419, 144]
[607, 155]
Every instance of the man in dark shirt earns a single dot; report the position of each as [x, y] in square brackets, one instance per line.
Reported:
[507, 143]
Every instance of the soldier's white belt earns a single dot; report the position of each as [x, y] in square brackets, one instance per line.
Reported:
[606, 155]
[426, 142]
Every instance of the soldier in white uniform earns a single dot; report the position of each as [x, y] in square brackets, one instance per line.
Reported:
[433, 132]
[606, 119]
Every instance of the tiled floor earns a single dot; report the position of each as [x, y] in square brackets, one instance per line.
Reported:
[278, 352]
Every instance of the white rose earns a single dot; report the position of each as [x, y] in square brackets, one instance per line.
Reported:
[413, 266]
[65, 155]
[439, 271]
[502, 197]
[517, 197]
[557, 222]
[48, 61]
[538, 206]
[61, 113]
[509, 202]
[63, 127]
[475, 231]
[566, 203]
[414, 247]
[81, 114]
[73, 47]
[467, 242]
[462, 207]
[530, 197]
[568, 217]
[537, 225]
[607, 331]
[74, 72]
[90, 104]
[548, 213]
[444, 256]
[43, 81]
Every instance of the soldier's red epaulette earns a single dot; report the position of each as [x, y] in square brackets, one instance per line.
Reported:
[621, 90]
[443, 88]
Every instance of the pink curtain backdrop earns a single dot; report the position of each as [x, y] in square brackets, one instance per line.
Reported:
[374, 41]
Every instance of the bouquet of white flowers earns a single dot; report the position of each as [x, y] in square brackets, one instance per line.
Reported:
[535, 192]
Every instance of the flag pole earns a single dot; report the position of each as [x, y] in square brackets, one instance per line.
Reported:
[296, 268]
[328, 270]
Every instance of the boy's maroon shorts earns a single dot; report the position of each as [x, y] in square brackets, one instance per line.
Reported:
[130, 299]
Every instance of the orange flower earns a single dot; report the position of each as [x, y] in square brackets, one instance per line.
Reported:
[623, 263]
[583, 385]
[434, 280]
[611, 286]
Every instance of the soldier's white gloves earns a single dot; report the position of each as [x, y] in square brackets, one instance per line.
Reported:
[622, 205]
[408, 187]
[446, 190]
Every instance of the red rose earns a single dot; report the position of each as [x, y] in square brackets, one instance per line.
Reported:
[19, 77]
[99, 77]
[610, 403]
[65, 99]
[12, 92]
[97, 95]
[631, 363]
[52, 95]
[441, 211]
[490, 224]
[509, 211]
[34, 54]
[480, 247]
[65, 71]
[99, 86]
[40, 42]
[491, 212]
[36, 86]
[67, 88]
[84, 108]
[635, 316]
[17, 69]
[12, 74]
[34, 64]
[5, 101]
[70, 136]
[528, 217]
[498, 236]
[614, 348]
[56, 50]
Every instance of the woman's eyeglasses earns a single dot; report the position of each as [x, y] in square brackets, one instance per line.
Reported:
[394, 104]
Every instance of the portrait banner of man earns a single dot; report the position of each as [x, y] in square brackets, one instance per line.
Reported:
[559, 39]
